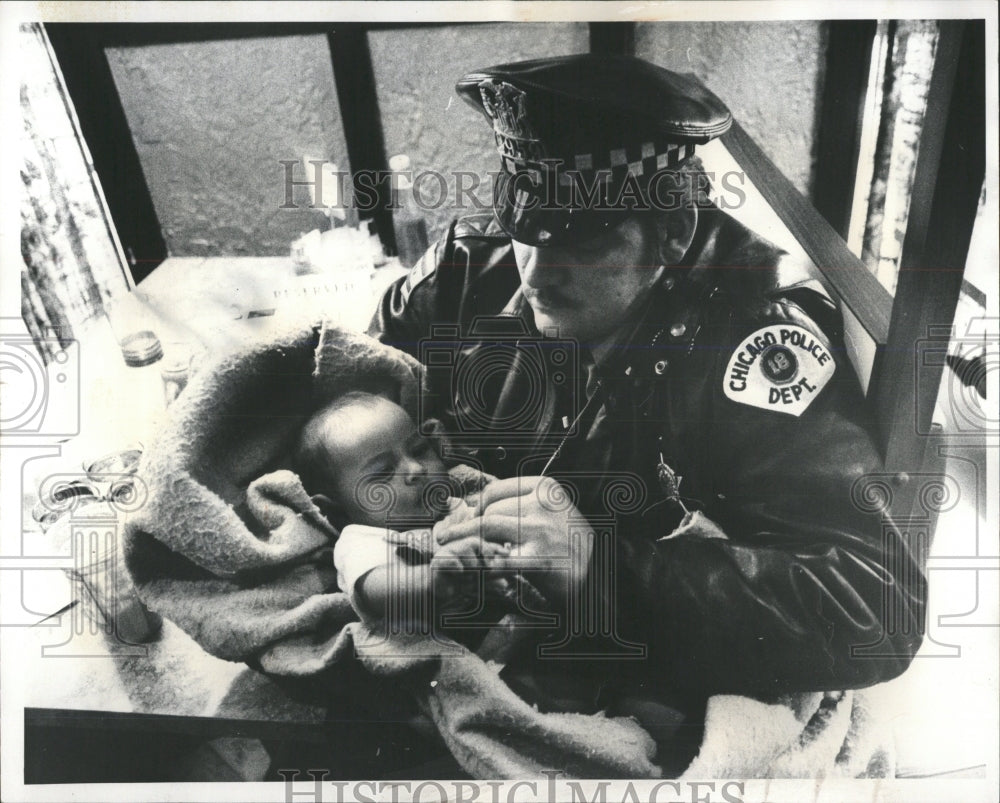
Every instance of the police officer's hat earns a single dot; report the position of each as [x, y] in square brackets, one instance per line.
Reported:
[583, 138]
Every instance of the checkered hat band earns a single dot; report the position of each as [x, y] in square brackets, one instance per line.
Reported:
[642, 160]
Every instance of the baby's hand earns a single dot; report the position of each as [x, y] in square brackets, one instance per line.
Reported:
[456, 567]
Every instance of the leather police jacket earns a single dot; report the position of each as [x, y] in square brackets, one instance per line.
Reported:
[807, 590]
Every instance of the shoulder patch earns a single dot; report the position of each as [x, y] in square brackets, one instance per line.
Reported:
[781, 367]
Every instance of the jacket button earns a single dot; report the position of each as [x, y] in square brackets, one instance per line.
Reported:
[660, 367]
[501, 453]
[669, 282]
[678, 330]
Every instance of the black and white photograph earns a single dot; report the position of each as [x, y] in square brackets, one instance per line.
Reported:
[523, 401]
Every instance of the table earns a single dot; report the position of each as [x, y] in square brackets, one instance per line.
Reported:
[222, 300]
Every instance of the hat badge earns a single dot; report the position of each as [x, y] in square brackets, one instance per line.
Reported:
[507, 107]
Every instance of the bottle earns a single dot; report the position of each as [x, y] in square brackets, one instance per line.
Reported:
[375, 244]
[134, 324]
[175, 368]
[408, 223]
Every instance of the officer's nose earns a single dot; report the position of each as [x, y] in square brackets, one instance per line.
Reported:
[541, 267]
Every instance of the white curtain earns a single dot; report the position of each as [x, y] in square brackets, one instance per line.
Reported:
[73, 262]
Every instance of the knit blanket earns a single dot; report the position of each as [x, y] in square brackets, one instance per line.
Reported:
[230, 547]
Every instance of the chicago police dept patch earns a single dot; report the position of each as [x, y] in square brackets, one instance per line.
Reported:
[781, 367]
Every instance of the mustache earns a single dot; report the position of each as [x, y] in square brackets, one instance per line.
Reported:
[548, 297]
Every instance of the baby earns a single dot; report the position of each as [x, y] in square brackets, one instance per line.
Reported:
[384, 485]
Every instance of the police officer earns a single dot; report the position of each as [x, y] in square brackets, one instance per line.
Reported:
[708, 430]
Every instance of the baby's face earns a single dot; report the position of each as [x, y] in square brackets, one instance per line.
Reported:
[380, 455]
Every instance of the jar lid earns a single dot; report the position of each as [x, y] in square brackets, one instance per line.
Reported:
[141, 348]
[401, 161]
[174, 373]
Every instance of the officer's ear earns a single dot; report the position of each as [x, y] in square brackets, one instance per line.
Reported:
[675, 231]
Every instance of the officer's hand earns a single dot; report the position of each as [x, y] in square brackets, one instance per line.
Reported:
[549, 536]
